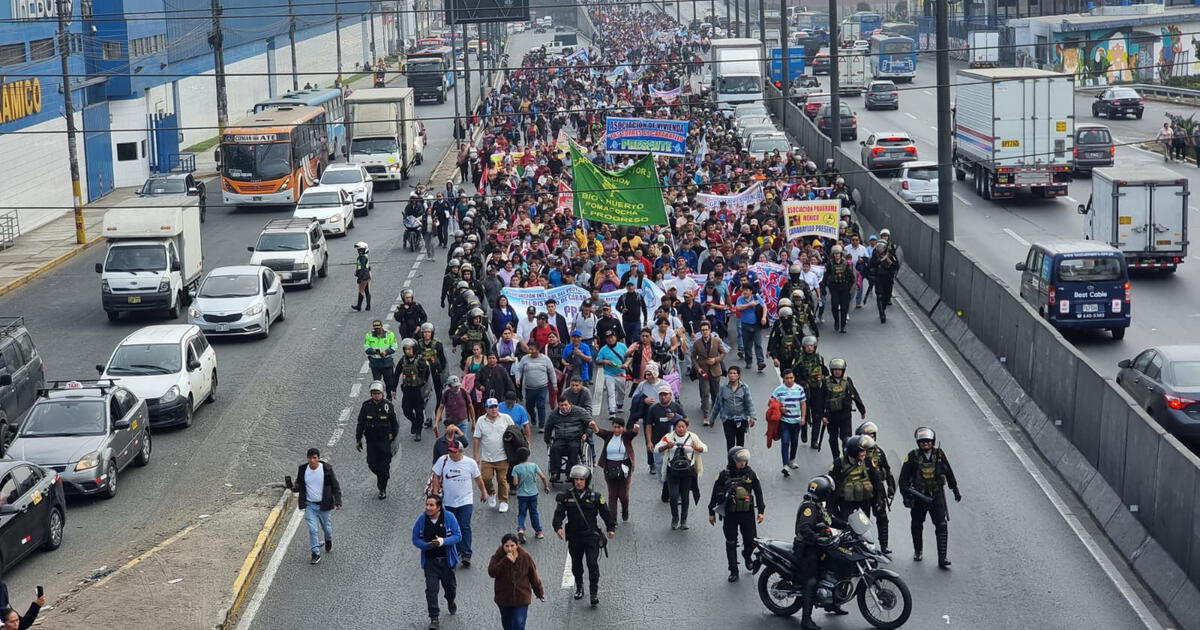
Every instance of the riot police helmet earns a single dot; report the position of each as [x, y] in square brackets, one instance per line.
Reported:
[579, 471]
[809, 340]
[820, 488]
[459, 234]
[476, 312]
[427, 327]
[857, 444]
[785, 311]
[406, 344]
[739, 454]
[472, 238]
[455, 263]
[923, 434]
[836, 249]
[457, 253]
[406, 294]
[462, 284]
[784, 302]
[837, 364]
[467, 267]
[867, 428]
[881, 246]
[841, 181]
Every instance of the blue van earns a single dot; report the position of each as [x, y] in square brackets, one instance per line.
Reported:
[1078, 284]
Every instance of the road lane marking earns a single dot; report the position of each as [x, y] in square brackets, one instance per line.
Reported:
[1071, 199]
[247, 618]
[355, 389]
[568, 578]
[910, 115]
[927, 92]
[412, 272]
[962, 199]
[407, 283]
[341, 428]
[1072, 521]
[366, 367]
[932, 127]
[1016, 237]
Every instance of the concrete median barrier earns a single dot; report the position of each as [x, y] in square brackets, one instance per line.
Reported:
[1084, 425]
[1142, 441]
[1114, 418]
[1175, 504]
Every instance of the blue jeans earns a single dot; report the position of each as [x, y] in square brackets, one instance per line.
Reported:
[747, 335]
[313, 514]
[463, 514]
[528, 505]
[789, 439]
[536, 399]
[513, 617]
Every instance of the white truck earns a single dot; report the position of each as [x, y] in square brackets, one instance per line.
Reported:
[737, 71]
[154, 256]
[383, 133]
[983, 49]
[1142, 211]
[1014, 128]
[852, 72]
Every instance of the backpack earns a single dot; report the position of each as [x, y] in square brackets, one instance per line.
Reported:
[679, 464]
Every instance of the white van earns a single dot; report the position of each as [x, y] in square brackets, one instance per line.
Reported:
[172, 367]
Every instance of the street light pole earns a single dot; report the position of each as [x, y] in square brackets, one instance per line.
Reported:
[292, 45]
[63, 8]
[835, 100]
[217, 39]
[337, 28]
[945, 148]
[787, 68]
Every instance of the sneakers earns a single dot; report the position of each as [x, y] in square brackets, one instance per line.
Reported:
[434, 624]
[492, 501]
[683, 524]
[466, 561]
[792, 465]
[521, 536]
[674, 524]
[503, 507]
[316, 558]
[539, 535]
[786, 472]
[761, 367]
[328, 545]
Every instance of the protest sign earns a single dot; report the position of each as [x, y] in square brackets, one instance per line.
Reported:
[646, 135]
[815, 217]
[736, 203]
[570, 297]
[631, 196]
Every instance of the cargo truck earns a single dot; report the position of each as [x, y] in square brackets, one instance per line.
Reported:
[737, 71]
[383, 133]
[1142, 211]
[983, 49]
[154, 256]
[795, 59]
[1014, 128]
[852, 72]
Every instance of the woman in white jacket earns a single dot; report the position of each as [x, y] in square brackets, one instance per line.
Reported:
[681, 467]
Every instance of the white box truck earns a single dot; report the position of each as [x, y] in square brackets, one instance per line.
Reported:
[1142, 211]
[852, 72]
[737, 71]
[383, 133]
[1014, 128]
[983, 49]
[154, 256]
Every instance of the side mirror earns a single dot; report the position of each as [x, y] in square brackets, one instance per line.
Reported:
[140, 193]
[862, 142]
[346, 152]
[217, 156]
[272, 291]
[9, 508]
[121, 425]
[193, 365]
[1020, 266]
[1124, 363]
[175, 266]
[100, 368]
[316, 245]
[6, 380]
[193, 191]
[1082, 209]
[1100, 96]
[249, 248]
[99, 267]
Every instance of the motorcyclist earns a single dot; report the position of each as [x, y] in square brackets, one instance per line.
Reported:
[409, 314]
[878, 461]
[737, 495]
[813, 523]
[580, 506]
[858, 483]
[380, 346]
[434, 354]
[565, 429]
[412, 372]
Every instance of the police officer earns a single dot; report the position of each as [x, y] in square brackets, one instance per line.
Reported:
[878, 461]
[434, 354]
[380, 345]
[812, 536]
[410, 314]
[362, 275]
[839, 280]
[783, 345]
[580, 506]
[450, 279]
[883, 265]
[468, 275]
[377, 422]
[795, 281]
[471, 332]
[805, 312]
[840, 394]
[736, 496]
[412, 372]
[811, 373]
[925, 473]
[857, 483]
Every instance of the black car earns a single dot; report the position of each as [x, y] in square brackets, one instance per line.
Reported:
[820, 63]
[33, 511]
[1165, 381]
[849, 123]
[175, 184]
[1118, 101]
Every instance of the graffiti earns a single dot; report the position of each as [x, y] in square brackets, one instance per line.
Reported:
[1171, 46]
[1107, 56]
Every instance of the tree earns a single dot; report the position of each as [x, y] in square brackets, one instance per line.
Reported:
[863, 6]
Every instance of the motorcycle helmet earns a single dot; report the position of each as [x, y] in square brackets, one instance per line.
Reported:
[836, 249]
[361, 246]
[462, 284]
[377, 386]
[784, 302]
[739, 454]
[407, 343]
[795, 269]
[809, 340]
[579, 471]
[785, 311]
[476, 312]
[820, 488]
[867, 428]
[924, 433]
[427, 327]
[407, 293]
[837, 364]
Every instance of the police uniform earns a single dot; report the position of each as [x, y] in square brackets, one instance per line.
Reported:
[884, 266]
[449, 281]
[783, 344]
[840, 394]
[811, 373]
[812, 523]
[435, 356]
[927, 475]
[839, 279]
[362, 273]
[410, 315]
[879, 509]
[377, 423]
[412, 372]
[580, 509]
[737, 493]
[382, 368]
[858, 486]
[469, 334]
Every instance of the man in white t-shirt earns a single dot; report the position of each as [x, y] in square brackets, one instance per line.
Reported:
[856, 252]
[453, 475]
[488, 449]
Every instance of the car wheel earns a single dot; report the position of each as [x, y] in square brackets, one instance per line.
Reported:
[187, 413]
[143, 457]
[110, 490]
[1139, 115]
[324, 270]
[1118, 333]
[173, 312]
[212, 391]
[282, 310]
[203, 209]
[113, 315]
[55, 527]
[266, 327]
[1095, 112]
[371, 202]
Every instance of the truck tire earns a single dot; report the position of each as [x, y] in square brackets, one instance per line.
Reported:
[113, 315]
[959, 174]
[173, 311]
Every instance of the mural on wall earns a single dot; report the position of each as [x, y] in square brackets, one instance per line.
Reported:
[1122, 55]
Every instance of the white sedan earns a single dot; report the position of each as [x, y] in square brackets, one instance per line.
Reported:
[354, 179]
[331, 205]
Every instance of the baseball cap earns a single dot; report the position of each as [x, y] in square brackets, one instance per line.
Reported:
[492, 402]
[377, 324]
[576, 333]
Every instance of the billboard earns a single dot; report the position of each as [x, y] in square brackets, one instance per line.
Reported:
[481, 11]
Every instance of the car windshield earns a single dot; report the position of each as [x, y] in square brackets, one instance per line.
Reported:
[1125, 93]
[1187, 374]
[768, 144]
[342, 176]
[749, 121]
[136, 258]
[65, 417]
[424, 66]
[229, 286]
[282, 242]
[923, 173]
[319, 200]
[1090, 269]
[740, 85]
[373, 145]
[144, 359]
[1095, 136]
[881, 87]
[256, 162]
[163, 186]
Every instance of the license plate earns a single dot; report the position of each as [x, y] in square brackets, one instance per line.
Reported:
[1097, 155]
[257, 198]
[1091, 308]
[222, 327]
[135, 299]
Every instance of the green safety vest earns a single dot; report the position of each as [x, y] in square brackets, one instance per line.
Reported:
[387, 341]
[856, 484]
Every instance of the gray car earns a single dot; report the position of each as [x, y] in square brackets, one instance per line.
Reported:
[87, 432]
[881, 95]
[238, 300]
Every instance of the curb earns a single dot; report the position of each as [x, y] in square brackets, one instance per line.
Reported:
[62, 258]
[245, 575]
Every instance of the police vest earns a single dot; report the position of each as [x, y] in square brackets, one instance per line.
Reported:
[410, 370]
[740, 493]
[840, 273]
[813, 368]
[856, 484]
[875, 457]
[429, 352]
[838, 390]
[474, 335]
[929, 478]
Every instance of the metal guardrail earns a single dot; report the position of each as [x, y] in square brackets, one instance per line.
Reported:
[181, 162]
[10, 229]
[1158, 92]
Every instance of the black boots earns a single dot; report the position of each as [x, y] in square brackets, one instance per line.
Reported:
[595, 600]
[731, 556]
[882, 527]
[918, 543]
[943, 540]
[578, 590]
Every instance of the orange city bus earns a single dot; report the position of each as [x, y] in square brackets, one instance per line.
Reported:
[272, 156]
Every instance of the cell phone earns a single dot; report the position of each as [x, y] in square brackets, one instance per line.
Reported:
[287, 482]
[40, 591]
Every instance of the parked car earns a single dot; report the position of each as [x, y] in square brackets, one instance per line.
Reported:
[849, 122]
[238, 300]
[917, 184]
[87, 432]
[172, 367]
[1165, 381]
[332, 206]
[33, 511]
[881, 95]
[1118, 101]
[814, 103]
[22, 374]
[1093, 147]
[295, 249]
[354, 179]
[887, 150]
[176, 184]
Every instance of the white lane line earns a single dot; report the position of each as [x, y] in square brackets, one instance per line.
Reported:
[927, 92]
[1071, 199]
[932, 127]
[264, 584]
[1193, 209]
[366, 367]
[341, 427]
[1016, 237]
[407, 283]
[355, 389]
[910, 115]
[412, 272]
[962, 199]
[1072, 521]
[568, 580]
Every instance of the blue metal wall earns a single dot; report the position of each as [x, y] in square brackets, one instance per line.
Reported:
[97, 147]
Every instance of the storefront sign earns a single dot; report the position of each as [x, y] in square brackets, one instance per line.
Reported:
[19, 99]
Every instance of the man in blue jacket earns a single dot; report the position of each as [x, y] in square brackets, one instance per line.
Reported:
[437, 535]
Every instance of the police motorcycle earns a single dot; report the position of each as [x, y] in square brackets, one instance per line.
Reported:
[850, 569]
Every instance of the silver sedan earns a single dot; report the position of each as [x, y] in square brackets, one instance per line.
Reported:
[238, 300]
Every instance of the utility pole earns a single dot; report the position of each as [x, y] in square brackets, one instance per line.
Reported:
[787, 68]
[835, 100]
[337, 28]
[735, 30]
[217, 39]
[63, 8]
[292, 44]
[746, 15]
[371, 14]
[466, 87]
[945, 148]
[479, 61]
[762, 25]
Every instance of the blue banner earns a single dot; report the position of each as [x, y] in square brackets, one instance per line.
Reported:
[646, 135]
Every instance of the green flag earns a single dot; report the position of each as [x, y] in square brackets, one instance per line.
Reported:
[628, 197]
